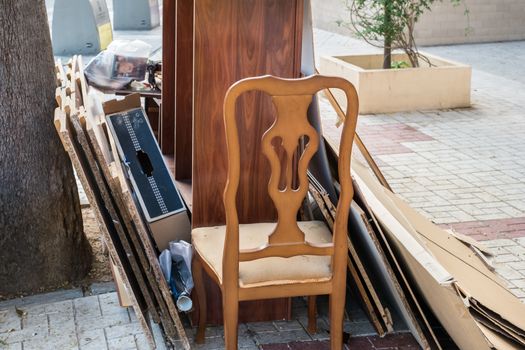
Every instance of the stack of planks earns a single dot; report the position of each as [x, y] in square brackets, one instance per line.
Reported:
[132, 251]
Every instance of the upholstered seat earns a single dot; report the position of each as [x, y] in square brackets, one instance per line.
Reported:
[209, 243]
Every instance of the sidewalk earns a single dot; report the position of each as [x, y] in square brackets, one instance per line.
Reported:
[461, 168]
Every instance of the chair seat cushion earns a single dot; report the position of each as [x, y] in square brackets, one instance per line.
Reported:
[209, 244]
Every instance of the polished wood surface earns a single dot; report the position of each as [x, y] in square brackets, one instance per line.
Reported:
[167, 122]
[235, 39]
[183, 89]
[291, 98]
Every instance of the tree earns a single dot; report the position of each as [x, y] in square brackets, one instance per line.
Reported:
[390, 24]
[42, 243]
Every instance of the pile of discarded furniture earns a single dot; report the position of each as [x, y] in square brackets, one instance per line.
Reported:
[401, 266]
[407, 272]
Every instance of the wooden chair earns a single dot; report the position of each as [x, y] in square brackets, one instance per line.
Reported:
[287, 258]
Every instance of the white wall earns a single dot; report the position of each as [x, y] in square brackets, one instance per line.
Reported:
[490, 20]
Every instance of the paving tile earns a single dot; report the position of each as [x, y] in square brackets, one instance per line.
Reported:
[101, 322]
[34, 333]
[109, 304]
[520, 283]
[124, 330]
[288, 325]
[123, 343]
[509, 274]
[391, 341]
[517, 265]
[92, 340]
[62, 341]
[14, 346]
[313, 345]
[42, 299]
[142, 342]
[212, 343]
[102, 288]
[61, 323]
[284, 336]
[60, 307]
[9, 321]
[260, 327]
[87, 307]
[360, 343]
[275, 347]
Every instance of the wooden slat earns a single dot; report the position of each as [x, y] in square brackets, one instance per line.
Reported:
[105, 192]
[363, 285]
[183, 90]
[167, 113]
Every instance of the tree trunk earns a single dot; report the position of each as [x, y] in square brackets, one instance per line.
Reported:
[387, 45]
[42, 244]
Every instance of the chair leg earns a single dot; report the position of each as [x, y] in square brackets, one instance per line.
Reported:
[201, 297]
[230, 306]
[312, 314]
[337, 308]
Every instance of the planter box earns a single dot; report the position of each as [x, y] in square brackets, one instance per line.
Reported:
[444, 85]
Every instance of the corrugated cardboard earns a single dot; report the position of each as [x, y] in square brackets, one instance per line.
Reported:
[432, 278]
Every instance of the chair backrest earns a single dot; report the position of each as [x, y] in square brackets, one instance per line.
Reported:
[280, 143]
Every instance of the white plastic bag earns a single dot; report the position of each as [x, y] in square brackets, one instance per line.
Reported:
[176, 267]
[121, 63]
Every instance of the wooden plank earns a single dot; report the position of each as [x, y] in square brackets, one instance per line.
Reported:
[124, 298]
[141, 236]
[183, 90]
[167, 113]
[105, 192]
[366, 291]
[354, 256]
[105, 222]
[123, 216]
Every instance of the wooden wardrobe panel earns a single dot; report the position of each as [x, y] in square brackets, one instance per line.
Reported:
[183, 90]
[236, 39]
[166, 132]
[214, 71]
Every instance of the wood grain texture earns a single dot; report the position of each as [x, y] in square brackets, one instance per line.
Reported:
[167, 116]
[183, 91]
[256, 37]
[236, 39]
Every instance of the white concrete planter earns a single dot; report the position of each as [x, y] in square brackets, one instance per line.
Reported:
[444, 85]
